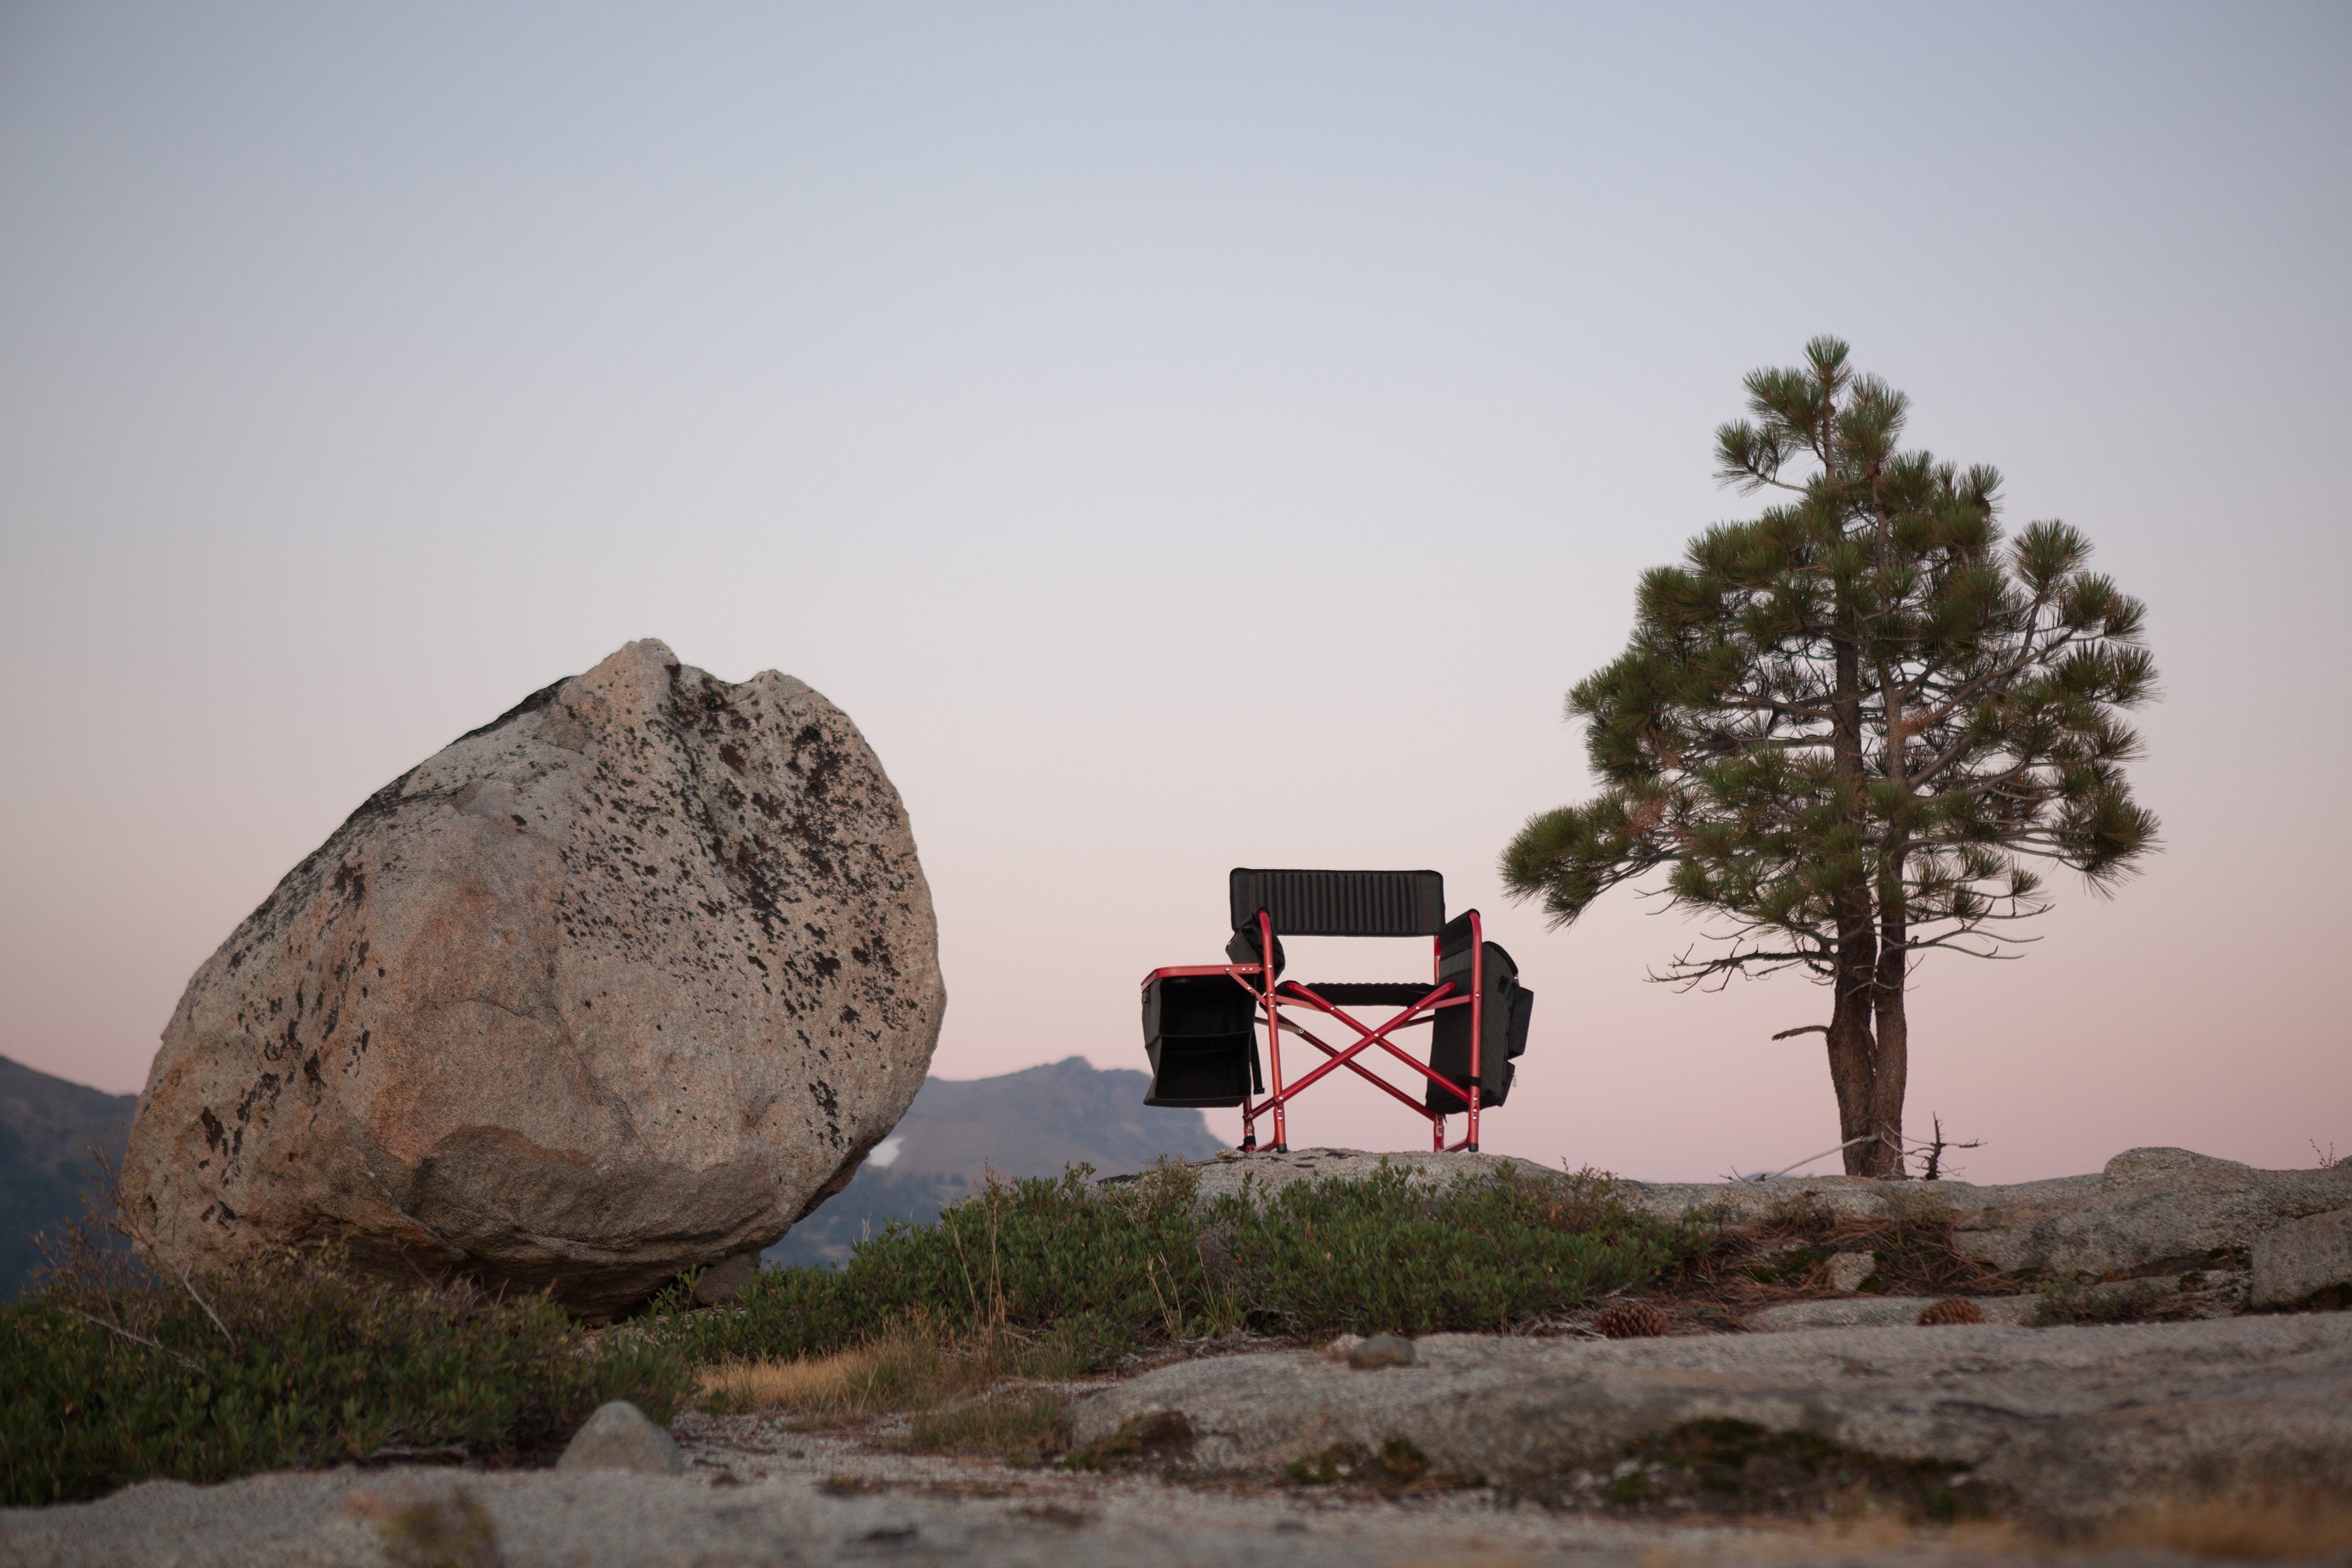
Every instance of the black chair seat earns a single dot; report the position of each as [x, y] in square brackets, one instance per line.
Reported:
[1372, 993]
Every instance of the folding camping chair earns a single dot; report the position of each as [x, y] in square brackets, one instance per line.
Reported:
[1200, 1020]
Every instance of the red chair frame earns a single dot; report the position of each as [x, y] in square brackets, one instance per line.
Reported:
[1272, 995]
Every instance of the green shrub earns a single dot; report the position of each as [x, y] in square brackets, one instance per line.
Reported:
[1388, 1253]
[1142, 1263]
[295, 1363]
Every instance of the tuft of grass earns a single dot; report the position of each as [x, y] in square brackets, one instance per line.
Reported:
[1080, 1275]
[955, 1387]
[1017, 1426]
[902, 1369]
[108, 1376]
[912, 1365]
[2265, 1528]
[812, 1386]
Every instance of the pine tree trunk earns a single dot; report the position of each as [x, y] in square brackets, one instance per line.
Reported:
[1890, 1069]
[1891, 1061]
[1853, 1050]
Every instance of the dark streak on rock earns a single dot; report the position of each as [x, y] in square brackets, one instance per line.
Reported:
[530, 704]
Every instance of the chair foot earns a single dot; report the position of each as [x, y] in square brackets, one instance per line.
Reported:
[1472, 1148]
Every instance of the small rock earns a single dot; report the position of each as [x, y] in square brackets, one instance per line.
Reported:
[1381, 1350]
[2302, 1257]
[2155, 1164]
[1847, 1270]
[725, 1281]
[1342, 1347]
[620, 1436]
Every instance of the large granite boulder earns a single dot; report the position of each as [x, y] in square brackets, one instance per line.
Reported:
[621, 984]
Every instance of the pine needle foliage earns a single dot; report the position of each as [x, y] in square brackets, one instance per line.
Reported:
[1850, 730]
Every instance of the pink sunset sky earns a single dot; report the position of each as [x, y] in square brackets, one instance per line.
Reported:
[1181, 437]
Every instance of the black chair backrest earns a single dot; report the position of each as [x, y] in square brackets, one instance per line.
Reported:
[1342, 904]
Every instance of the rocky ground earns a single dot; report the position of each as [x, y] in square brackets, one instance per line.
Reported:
[1795, 1409]
[757, 1493]
[2065, 1427]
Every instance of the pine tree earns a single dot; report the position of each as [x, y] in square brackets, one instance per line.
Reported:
[1844, 731]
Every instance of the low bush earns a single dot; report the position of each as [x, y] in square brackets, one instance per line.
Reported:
[108, 1378]
[1092, 1271]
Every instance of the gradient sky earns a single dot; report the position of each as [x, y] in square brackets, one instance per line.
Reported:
[1180, 436]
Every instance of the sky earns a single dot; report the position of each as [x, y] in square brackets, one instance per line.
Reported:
[1180, 437]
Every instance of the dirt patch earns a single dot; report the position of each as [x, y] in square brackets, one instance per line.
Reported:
[1796, 1251]
[1735, 1469]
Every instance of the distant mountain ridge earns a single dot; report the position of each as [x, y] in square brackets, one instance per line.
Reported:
[48, 1128]
[1034, 1122]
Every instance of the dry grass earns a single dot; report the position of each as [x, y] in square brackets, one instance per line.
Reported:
[2258, 1527]
[903, 1369]
[955, 1389]
[812, 1384]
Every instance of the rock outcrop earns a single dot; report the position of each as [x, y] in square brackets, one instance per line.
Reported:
[2149, 1208]
[2067, 1427]
[2301, 1258]
[620, 984]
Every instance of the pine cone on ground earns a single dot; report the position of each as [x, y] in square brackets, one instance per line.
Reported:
[1633, 1321]
[1950, 1309]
